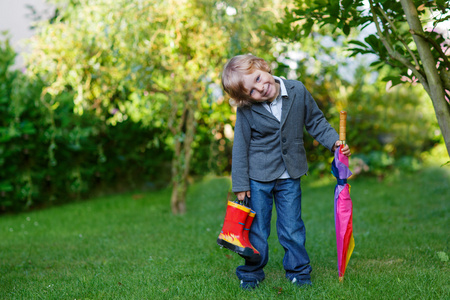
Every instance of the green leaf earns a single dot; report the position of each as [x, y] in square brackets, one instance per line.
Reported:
[396, 80]
[373, 41]
[346, 29]
[27, 128]
[347, 3]
[6, 186]
[387, 78]
[307, 27]
[358, 43]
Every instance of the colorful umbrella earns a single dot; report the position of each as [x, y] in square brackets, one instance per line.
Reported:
[343, 207]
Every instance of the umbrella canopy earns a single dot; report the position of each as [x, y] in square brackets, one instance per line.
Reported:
[343, 207]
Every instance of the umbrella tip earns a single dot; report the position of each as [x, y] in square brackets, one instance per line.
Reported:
[341, 279]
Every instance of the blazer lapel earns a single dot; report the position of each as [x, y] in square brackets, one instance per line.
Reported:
[260, 109]
[287, 101]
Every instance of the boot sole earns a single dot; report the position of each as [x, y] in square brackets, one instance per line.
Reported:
[254, 258]
[244, 252]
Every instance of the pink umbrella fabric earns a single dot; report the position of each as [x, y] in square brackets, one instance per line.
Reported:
[343, 211]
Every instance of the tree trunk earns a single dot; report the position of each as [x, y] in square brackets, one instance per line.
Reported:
[436, 89]
[178, 199]
[182, 160]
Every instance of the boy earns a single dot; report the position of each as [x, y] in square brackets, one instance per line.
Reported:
[269, 158]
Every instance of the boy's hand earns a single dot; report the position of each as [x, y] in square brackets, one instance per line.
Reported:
[241, 195]
[345, 150]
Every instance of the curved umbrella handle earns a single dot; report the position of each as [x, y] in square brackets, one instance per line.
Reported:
[342, 126]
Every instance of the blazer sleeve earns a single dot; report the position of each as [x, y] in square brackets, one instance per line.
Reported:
[317, 125]
[239, 164]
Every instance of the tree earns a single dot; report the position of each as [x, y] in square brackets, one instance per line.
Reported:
[408, 37]
[153, 61]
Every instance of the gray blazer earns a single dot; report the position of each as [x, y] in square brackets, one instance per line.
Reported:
[264, 147]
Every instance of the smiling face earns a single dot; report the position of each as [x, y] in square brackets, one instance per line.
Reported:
[260, 86]
[247, 79]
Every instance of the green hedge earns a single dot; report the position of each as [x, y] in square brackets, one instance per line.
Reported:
[49, 155]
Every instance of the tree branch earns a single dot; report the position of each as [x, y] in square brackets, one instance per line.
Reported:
[394, 54]
[445, 77]
[436, 90]
[401, 39]
[435, 45]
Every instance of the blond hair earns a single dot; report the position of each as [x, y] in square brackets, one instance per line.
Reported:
[232, 73]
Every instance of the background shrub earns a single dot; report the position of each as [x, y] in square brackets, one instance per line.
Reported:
[49, 155]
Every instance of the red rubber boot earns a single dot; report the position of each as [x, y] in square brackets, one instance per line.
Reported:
[248, 224]
[232, 236]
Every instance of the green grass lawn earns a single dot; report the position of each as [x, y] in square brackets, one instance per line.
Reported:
[130, 246]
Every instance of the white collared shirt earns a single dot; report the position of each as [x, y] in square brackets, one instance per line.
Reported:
[276, 105]
[275, 108]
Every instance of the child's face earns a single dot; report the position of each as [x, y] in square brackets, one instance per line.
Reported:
[260, 86]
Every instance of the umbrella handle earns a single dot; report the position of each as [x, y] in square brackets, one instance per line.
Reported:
[342, 126]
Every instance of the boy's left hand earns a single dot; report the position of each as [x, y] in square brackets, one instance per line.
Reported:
[345, 150]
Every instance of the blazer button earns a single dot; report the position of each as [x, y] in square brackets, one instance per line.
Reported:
[283, 140]
[284, 152]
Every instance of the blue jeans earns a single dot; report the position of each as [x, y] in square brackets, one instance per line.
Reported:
[290, 228]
